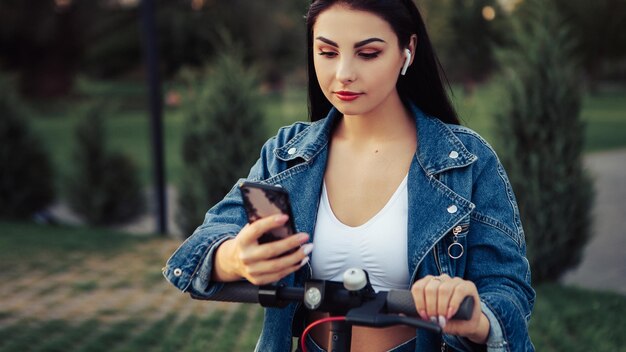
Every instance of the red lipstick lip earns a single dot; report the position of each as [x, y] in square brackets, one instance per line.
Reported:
[347, 95]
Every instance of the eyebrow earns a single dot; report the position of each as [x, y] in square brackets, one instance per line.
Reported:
[356, 45]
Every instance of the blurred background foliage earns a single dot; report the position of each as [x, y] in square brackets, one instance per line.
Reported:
[48, 42]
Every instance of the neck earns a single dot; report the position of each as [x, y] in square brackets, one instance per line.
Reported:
[390, 121]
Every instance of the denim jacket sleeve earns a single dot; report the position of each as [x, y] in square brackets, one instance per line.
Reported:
[496, 261]
[191, 265]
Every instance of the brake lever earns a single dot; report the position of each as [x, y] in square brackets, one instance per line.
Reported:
[369, 315]
[384, 320]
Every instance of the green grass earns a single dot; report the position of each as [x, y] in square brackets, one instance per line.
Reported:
[149, 338]
[79, 287]
[23, 340]
[605, 118]
[178, 335]
[37, 242]
[45, 245]
[201, 338]
[232, 329]
[564, 319]
[70, 338]
[570, 319]
[256, 324]
[118, 334]
[604, 115]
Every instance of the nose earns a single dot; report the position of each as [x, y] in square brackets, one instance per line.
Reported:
[346, 72]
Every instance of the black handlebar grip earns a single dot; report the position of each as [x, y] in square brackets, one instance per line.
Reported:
[465, 309]
[240, 291]
[401, 301]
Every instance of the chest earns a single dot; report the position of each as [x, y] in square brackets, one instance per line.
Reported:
[359, 183]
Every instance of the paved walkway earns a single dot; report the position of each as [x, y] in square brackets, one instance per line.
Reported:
[604, 260]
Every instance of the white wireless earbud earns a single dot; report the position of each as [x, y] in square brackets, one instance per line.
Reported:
[407, 61]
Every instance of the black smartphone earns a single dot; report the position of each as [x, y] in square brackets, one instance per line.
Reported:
[261, 200]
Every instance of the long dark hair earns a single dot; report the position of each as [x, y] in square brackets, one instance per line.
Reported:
[422, 84]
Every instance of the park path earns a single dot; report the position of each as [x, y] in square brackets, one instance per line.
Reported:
[604, 260]
[110, 287]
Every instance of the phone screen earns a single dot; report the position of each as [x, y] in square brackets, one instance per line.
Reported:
[262, 200]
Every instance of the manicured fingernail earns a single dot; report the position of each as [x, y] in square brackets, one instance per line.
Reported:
[442, 321]
[303, 237]
[307, 248]
[433, 320]
[423, 314]
[449, 315]
[304, 261]
[280, 217]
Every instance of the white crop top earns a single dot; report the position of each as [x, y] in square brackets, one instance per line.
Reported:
[379, 246]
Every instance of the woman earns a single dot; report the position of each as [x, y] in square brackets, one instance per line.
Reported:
[385, 179]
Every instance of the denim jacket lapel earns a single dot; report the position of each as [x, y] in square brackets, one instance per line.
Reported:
[304, 180]
[434, 209]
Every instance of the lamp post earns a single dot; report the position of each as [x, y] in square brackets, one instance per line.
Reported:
[150, 49]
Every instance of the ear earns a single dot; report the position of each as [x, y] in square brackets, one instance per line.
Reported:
[409, 54]
[412, 46]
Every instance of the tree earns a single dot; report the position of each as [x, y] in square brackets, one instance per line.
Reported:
[48, 42]
[465, 36]
[599, 29]
[104, 188]
[273, 34]
[42, 41]
[542, 139]
[27, 178]
[224, 131]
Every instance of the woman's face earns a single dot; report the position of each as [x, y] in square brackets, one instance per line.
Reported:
[357, 59]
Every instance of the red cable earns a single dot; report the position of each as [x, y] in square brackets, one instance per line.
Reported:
[314, 324]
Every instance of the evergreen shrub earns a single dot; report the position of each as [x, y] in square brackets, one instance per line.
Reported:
[104, 188]
[224, 131]
[542, 140]
[26, 173]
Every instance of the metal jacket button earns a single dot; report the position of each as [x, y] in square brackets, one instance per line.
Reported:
[454, 154]
[291, 151]
[452, 209]
[178, 272]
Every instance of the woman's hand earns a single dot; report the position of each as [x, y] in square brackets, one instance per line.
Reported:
[244, 257]
[437, 298]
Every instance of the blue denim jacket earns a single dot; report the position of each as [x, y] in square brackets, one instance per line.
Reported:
[455, 179]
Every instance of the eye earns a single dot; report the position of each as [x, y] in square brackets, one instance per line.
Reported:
[369, 55]
[328, 54]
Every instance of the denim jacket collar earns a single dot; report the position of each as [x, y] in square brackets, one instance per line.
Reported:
[439, 149]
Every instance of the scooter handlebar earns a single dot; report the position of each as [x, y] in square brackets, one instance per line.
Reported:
[398, 301]
[401, 301]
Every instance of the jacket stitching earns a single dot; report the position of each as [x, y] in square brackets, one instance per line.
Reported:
[487, 220]
[287, 173]
[501, 173]
[515, 303]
